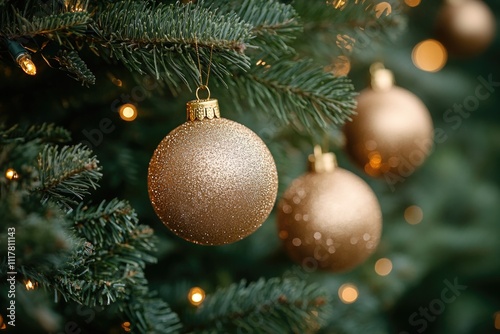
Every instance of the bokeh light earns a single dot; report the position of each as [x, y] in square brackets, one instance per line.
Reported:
[196, 296]
[429, 55]
[383, 266]
[11, 174]
[413, 215]
[348, 293]
[128, 112]
[412, 3]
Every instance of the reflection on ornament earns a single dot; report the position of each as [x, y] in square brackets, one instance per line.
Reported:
[383, 267]
[196, 296]
[429, 55]
[212, 181]
[392, 133]
[348, 293]
[329, 218]
[466, 28]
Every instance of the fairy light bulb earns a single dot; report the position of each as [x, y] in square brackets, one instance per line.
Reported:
[128, 112]
[21, 56]
[11, 174]
[196, 296]
[29, 285]
[24, 60]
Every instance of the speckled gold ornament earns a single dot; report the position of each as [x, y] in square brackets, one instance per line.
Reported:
[329, 218]
[212, 181]
[465, 27]
[392, 133]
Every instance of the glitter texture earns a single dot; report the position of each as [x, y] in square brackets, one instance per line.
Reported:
[213, 181]
[344, 220]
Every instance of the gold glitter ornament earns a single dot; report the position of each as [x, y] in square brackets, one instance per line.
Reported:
[465, 27]
[392, 133]
[329, 218]
[212, 181]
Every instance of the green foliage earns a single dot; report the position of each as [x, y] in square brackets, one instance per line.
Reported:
[150, 314]
[161, 39]
[164, 40]
[272, 306]
[44, 133]
[55, 26]
[66, 174]
[274, 25]
[71, 62]
[299, 93]
[92, 255]
[350, 29]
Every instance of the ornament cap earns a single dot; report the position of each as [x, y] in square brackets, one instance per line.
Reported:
[381, 79]
[201, 109]
[320, 162]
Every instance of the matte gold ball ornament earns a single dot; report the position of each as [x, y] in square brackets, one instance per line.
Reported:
[465, 27]
[392, 133]
[329, 218]
[212, 181]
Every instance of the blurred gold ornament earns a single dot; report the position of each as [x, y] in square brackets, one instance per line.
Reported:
[329, 218]
[465, 27]
[392, 133]
[212, 181]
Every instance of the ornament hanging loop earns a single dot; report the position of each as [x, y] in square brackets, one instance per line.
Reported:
[202, 87]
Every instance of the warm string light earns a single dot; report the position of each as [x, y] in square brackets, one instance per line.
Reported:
[348, 293]
[21, 56]
[30, 285]
[196, 296]
[413, 215]
[128, 112]
[429, 55]
[126, 326]
[383, 267]
[11, 174]
[26, 64]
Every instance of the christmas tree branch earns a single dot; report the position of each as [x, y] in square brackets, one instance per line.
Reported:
[162, 39]
[66, 174]
[350, 25]
[43, 133]
[274, 24]
[55, 26]
[71, 62]
[299, 94]
[149, 314]
[287, 305]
